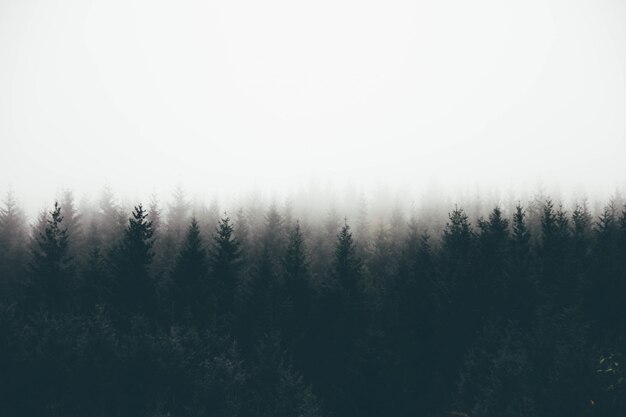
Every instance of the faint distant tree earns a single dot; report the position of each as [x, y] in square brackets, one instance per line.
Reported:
[51, 265]
[273, 237]
[72, 222]
[13, 240]
[154, 214]
[208, 218]
[288, 213]
[242, 230]
[111, 220]
[362, 232]
[622, 227]
[178, 214]
[397, 226]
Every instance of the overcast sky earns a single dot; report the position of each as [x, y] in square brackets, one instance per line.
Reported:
[142, 94]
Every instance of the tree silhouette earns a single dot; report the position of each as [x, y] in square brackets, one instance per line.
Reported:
[51, 264]
[225, 264]
[132, 290]
[13, 238]
[191, 296]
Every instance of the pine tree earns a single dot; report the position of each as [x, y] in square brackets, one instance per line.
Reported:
[273, 236]
[72, 222]
[494, 263]
[296, 277]
[347, 266]
[521, 238]
[342, 324]
[178, 215]
[458, 236]
[556, 280]
[522, 303]
[459, 299]
[132, 289]
[13, 242]
[582, 220]
[110, 221]
[190, 290]
[154, 214]
[225, 264]
[51, 266]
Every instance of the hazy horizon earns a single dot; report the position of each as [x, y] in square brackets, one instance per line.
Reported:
[231, 97]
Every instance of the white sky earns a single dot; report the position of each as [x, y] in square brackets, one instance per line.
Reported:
[143, 94]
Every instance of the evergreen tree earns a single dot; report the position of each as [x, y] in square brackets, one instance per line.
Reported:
[347, 266]
[582, 221]
[132, 290]
[51, 265]
[522, 303]
[225, 264]
[556, 280]
[343, 322]
[296, 277]
[520, 239]
[13, 240]
[190, 291]
[458, 298]
[178, 215]
[493, 246]
[406, 323]
[72, 222]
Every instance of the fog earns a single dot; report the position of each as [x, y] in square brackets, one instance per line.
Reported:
[321, 208]
[240, 96]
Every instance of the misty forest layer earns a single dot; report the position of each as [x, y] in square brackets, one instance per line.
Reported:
[174, 312]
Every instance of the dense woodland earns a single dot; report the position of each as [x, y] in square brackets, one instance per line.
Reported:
[186, 311]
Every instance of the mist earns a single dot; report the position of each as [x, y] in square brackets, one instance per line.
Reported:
[316, 209]
[232, 97]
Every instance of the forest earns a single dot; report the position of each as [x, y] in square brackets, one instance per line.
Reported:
[186, 310]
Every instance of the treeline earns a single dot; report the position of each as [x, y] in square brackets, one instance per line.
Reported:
[183, 312]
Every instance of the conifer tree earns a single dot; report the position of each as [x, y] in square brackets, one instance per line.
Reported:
[521, 237]
[582, 221]
[111, 221]
[347, 266]
[132, 289]
[296, 277]
[51, 265]
[522, 285]
[190, 286]
[225, 263]
[13, 242]
[72, 221]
